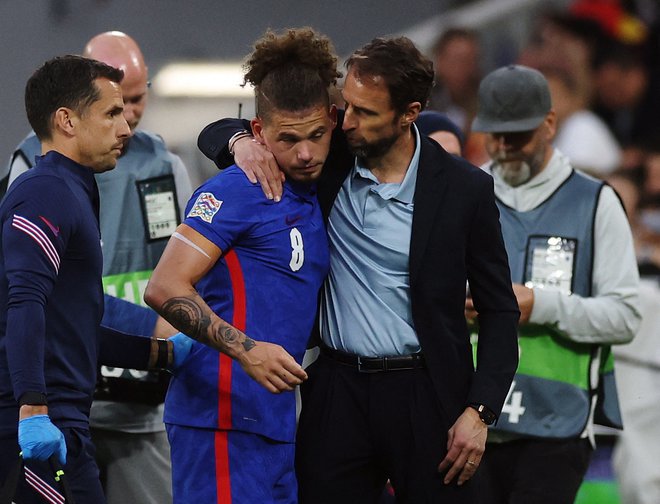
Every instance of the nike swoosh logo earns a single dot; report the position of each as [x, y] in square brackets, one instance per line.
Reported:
[291, 219]
[54, 229]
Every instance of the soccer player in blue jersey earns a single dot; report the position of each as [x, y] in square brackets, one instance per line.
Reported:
[241, 275]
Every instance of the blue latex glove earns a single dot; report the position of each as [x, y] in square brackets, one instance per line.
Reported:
[182, 345]
[40, 439]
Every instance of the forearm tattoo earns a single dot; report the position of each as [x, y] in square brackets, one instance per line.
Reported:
[189, 317]
[231, 335]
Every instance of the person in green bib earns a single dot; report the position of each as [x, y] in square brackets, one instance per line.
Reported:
[575, 277]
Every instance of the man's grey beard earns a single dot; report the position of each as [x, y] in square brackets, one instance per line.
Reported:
[513, 173]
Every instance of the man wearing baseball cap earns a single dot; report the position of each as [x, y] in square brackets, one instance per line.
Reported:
[574, 274]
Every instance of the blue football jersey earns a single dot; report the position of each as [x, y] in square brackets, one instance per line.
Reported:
[274, 260]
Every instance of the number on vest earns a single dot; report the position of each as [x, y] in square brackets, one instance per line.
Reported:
[297, 251]
[513, 404]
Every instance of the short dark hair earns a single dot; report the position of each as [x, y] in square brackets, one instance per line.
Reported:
[291, 71]
[407, 73]
[64, 81]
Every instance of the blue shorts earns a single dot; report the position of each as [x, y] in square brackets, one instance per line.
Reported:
[230, 467]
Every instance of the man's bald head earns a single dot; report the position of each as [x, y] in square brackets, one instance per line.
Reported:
[120, 51]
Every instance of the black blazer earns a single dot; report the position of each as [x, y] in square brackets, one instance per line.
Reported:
[456, 237]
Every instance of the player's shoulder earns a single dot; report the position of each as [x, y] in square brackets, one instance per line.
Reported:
[232, 182]
[230, 189]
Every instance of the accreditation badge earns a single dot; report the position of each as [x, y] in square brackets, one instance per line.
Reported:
[550, 262]
[160, 209]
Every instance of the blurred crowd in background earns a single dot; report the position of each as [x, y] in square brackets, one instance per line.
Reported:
[602, 61]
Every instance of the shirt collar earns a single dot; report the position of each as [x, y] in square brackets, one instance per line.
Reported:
[80, 172]
[305, 191]
[403, 192]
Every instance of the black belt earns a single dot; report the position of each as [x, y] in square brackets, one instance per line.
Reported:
[375, 364]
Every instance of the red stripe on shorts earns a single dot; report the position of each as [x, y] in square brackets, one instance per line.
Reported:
[222, 481]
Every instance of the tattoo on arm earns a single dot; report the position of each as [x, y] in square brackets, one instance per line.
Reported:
[190, 316]
[230, 336]
[187, 316]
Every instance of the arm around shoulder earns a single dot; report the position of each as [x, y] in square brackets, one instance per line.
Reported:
[214, 139]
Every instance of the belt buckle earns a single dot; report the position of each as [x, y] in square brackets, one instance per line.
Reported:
[364, 370]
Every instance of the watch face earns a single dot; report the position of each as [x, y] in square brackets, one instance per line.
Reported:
[487, 416]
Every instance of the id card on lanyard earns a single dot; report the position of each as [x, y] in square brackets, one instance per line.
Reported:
[160, 208]
[550, 263]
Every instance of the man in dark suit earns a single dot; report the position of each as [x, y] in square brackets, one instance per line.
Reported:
[394, 393]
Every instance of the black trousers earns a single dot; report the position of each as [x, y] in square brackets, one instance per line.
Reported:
[356, 430]
[538, 471]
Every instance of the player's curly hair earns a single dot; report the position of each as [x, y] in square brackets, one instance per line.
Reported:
[291, 71]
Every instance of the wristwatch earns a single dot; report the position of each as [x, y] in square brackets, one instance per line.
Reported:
[486, 415]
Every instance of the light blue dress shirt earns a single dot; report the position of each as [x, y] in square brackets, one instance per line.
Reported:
[365, 305]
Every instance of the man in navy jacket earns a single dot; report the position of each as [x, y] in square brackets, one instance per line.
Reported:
[50, 280]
